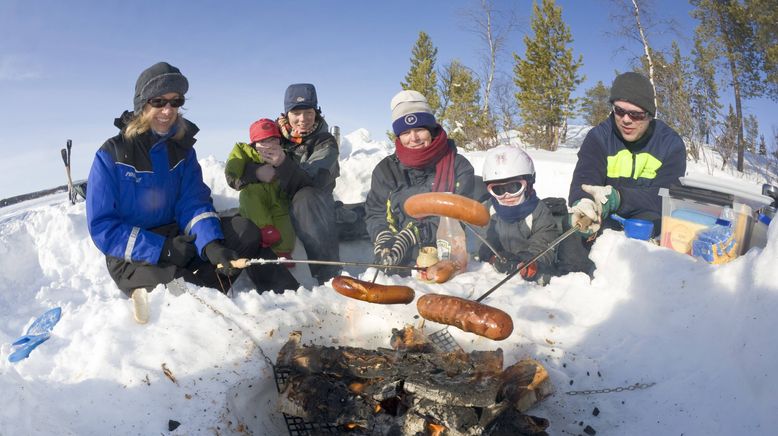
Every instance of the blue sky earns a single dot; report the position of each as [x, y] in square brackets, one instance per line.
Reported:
[67, 69]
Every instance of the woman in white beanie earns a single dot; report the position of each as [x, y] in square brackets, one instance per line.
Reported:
[425, 160]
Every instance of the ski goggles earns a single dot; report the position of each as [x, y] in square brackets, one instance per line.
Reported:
[159, 102]
[513, 188]
[635, 115]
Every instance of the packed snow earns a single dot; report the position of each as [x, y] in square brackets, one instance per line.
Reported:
[696, 338]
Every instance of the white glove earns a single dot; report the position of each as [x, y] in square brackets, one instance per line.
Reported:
[586, 208]
[601, 194]
[608, 199]
[265, 173]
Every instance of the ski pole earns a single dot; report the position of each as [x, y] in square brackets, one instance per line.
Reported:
[243, 263]
[579, 225]
[71, 190]
[66, 160]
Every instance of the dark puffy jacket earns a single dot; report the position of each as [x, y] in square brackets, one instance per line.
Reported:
[531, 235]
[392, 183]
[145, 183]
[314, 162]
[637, 174]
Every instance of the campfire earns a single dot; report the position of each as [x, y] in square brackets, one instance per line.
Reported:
[411, 389]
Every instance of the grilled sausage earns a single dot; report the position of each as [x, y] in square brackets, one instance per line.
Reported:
[440, 272]
[373, 292]
[447, 204]
[466, 315]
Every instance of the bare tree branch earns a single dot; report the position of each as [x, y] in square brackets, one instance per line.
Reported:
[494, 34]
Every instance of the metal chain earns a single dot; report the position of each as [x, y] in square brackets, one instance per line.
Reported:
[612, 390]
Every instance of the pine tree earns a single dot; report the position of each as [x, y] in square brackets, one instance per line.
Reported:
[726, 143]
[546, 78]
[672, 86]
[463, 118]
[705, 104]
[595, 107]
[762, 146]
[764, 16]
[422, 76]
[750, 132]
[731, 37]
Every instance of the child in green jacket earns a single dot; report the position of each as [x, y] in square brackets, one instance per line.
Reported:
[261, 199]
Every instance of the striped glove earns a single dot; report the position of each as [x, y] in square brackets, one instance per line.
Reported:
[404, 241]
[382, 246]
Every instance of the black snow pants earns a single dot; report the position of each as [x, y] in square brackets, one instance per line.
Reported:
[313, 218]
[240, 235]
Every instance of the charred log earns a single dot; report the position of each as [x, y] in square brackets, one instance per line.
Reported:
[410, 390]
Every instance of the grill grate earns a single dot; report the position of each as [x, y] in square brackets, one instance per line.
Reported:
[298, 426]
[443, 341]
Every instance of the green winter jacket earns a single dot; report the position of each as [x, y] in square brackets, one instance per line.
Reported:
[262, 203]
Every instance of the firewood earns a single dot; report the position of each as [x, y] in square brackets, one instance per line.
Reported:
[524, 384]
[411, 389]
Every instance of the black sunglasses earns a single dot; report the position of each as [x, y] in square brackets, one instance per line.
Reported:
[159, 102]
[635, 115]
[505, 188]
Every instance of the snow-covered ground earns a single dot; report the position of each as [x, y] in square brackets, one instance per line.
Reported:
[702, 336]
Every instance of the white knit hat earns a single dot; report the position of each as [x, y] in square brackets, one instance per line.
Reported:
[411, 110]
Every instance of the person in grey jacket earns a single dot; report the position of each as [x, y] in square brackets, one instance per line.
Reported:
[522, 226]
[305, 164]
[425, 160]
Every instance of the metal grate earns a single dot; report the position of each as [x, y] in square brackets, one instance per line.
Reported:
[443, 341]
[281, 374]
[298, 426]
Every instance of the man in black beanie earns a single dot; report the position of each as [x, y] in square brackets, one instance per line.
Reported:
[622, 163]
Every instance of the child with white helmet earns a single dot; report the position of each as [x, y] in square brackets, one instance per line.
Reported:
[522, 226]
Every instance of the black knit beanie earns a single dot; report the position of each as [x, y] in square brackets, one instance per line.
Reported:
[157, 80]
[636, 89]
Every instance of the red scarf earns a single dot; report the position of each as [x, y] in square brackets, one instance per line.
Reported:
[289, 133]
[438, 153]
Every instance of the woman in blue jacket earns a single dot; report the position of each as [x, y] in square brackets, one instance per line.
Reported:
[148, 209]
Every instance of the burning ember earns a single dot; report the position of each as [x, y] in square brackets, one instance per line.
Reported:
[411, 389]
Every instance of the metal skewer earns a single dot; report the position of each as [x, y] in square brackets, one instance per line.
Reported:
[243, 263]
[443, 338]
[484, 241]
[523, 266]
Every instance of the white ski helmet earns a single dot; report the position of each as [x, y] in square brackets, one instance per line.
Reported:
[506, 162]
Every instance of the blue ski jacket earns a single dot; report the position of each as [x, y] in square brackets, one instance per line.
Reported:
[146, 182]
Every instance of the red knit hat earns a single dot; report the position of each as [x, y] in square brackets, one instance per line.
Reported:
[262, 129]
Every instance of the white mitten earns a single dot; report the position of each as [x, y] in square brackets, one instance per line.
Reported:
[607, 198]
[586, 208]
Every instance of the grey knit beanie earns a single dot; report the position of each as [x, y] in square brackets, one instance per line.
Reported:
[636, 89]
[410, 110]
[157, 80]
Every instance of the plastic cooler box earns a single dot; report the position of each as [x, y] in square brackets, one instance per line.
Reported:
[686, 210]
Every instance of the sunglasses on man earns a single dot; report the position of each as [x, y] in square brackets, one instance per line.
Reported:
[514, 187]
[159, 102]
[635, 115]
